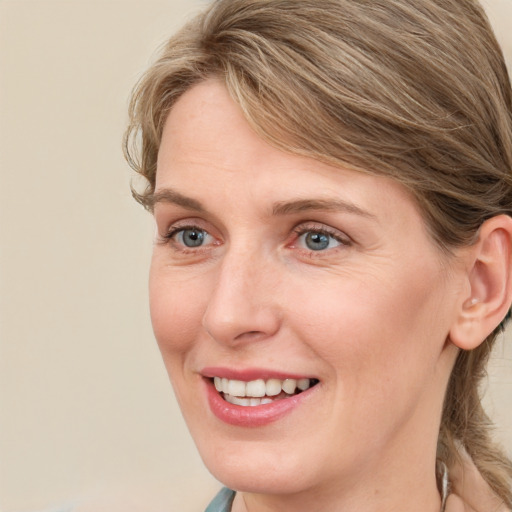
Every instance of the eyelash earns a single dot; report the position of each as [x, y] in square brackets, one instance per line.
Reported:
[168, 237]
[302, 229]
[298, 231]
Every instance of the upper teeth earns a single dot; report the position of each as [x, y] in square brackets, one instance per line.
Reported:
[259, 388]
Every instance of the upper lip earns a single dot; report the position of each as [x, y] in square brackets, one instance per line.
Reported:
[249, 374]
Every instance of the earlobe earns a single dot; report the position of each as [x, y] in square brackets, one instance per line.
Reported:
[490, 284]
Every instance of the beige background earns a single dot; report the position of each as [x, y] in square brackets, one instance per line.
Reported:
[86, 412]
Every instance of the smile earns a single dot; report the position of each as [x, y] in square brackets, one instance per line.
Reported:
[253, 398]
[260, 392]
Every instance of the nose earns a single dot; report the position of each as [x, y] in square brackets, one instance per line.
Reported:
[243, 305]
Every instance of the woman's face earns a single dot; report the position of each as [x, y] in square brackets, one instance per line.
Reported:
[273, 272]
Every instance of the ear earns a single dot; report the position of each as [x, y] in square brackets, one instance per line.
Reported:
[489, 275]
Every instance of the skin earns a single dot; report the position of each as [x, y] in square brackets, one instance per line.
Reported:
[471, 491]
[369, 316]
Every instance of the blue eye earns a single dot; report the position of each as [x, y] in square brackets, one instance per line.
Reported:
[192, 237]
[318, 240]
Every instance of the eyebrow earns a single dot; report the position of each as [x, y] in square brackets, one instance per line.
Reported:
[168, 195]
[280, 208]
[330, 205]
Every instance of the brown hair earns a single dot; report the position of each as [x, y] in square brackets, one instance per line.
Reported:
[416, 90]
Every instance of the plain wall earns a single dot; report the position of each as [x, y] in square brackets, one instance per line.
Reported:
[86, 410]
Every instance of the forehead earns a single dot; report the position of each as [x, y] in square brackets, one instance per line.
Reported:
[207, 141]
[205, 123]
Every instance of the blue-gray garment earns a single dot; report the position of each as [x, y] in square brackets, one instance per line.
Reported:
[222, 502]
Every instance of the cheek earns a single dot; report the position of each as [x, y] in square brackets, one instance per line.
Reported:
[176, 308]
[375, 331]
[381, 352]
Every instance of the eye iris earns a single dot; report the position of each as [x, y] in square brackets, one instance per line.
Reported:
[317, 241]
[193, 237]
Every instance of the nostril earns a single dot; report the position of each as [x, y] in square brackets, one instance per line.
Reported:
[250, 335]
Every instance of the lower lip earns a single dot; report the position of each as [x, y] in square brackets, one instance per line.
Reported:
[252, 416]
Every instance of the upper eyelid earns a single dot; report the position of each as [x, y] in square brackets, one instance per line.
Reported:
[305, 227]
[174, 230]
[298, 229]
[184, 223]
[321, 228]
[170, 213]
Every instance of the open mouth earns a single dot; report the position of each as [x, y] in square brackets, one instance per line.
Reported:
[260, 391]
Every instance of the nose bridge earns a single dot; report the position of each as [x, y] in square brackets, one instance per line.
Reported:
[242, 304]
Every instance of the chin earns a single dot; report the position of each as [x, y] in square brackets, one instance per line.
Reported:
[259, 466]
[260, 477]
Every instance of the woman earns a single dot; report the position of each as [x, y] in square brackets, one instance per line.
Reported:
[331, 184]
